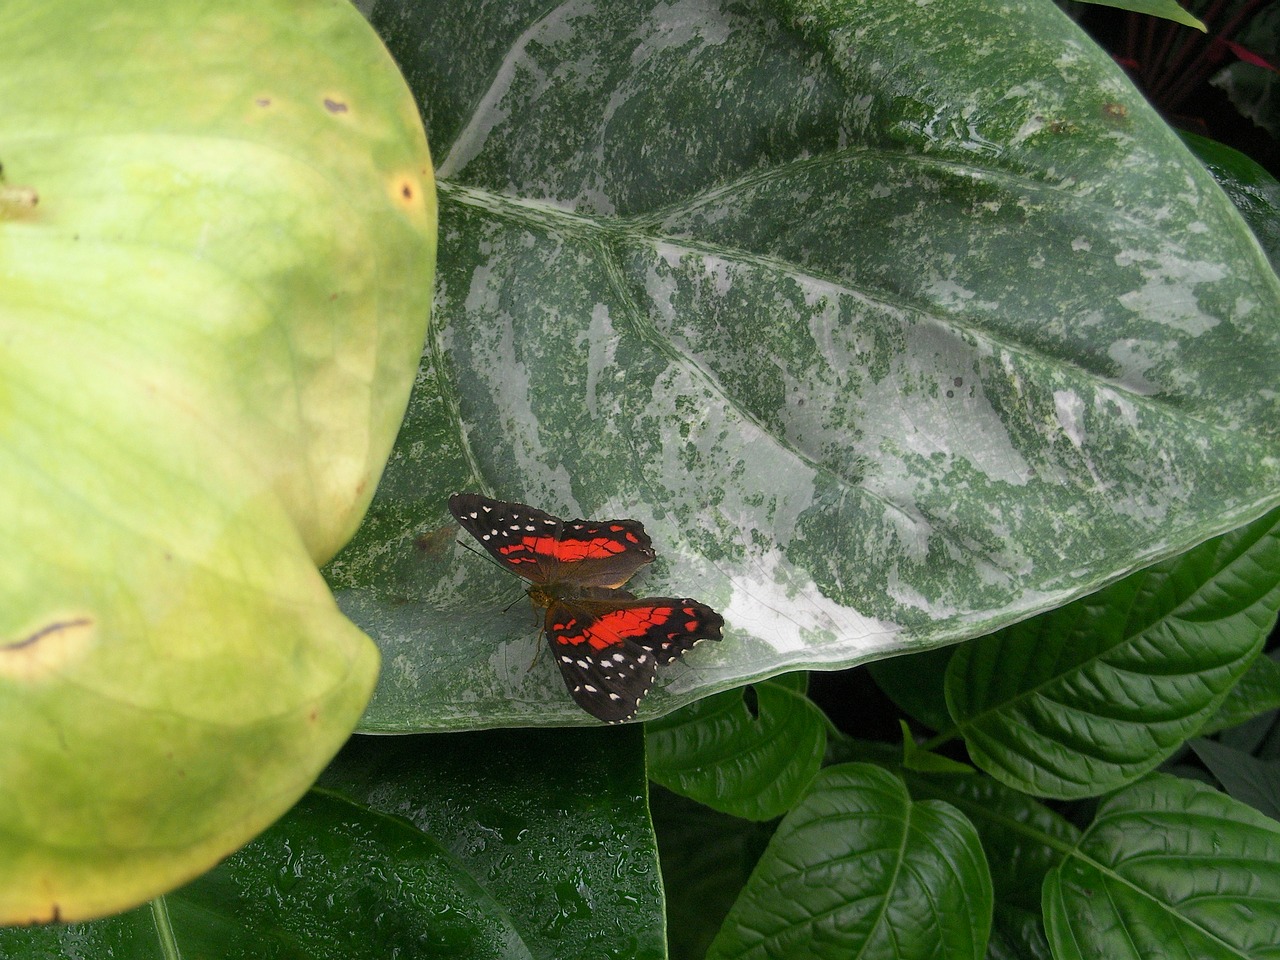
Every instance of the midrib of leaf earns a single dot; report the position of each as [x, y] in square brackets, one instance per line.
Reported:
[168, 942]
[1159, 905]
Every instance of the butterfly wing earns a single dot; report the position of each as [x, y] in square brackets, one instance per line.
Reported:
[609, 648]
[542, 548]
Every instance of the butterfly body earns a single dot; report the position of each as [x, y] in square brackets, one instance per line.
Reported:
[607, 642]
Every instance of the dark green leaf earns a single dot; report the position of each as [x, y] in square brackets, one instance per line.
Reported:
[1253, 190]
[1257, 692]
[858, 869]
[1171, 869]
[512, 844]
[1101, 691]
[752, 764]
[554, 825]
[706, 859]
[336, 880]
[1243, 776]
[916, 683]
[1252, 88]
[887, 343]
[919, 760]
[1022, 840]
[332, 880]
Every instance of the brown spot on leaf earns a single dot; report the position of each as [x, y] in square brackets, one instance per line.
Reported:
[434, 542]
[1115, 112]
[334, 106]
[43, 632]
[17, 202]
[45, 649]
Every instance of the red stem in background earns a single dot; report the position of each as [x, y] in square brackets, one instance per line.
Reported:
[1209, 57]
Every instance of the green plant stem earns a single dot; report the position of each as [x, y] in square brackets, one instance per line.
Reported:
[164, 929]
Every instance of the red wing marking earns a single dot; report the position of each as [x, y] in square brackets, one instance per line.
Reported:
[531, 549]
[545, 549]
[613, 628]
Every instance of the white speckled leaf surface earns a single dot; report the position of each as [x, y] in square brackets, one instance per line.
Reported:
[893, 322]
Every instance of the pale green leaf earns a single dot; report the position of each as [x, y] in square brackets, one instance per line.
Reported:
[1165, 9]
[210, 315]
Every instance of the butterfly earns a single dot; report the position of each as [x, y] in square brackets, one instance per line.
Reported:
[607, 642]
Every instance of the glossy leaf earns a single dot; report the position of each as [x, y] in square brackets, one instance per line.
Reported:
[752, 763]
[212, 302]
[888, 344]
[471, 846]
[1173, 869]
[919, 760]
[554, 826]
[1022, 839]
[858, 869]
[916, 683]
[1254, 191]
[330, 881]
[1257, 692]
[1097, 693]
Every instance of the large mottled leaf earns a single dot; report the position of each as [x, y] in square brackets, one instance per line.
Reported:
[216, 232]
[893, 324]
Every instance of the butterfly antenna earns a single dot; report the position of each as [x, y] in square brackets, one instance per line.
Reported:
[485, 556]
[478, 553]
